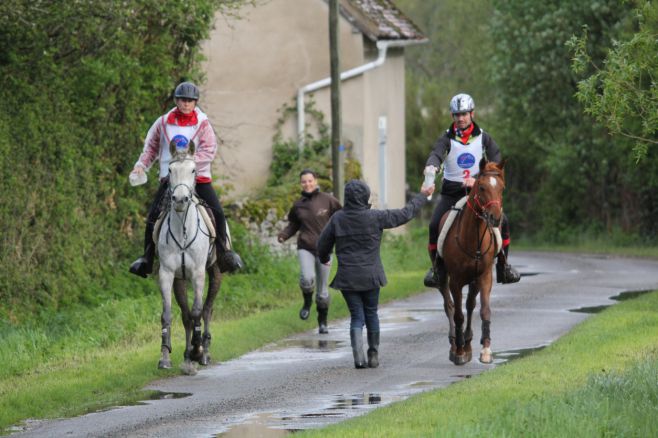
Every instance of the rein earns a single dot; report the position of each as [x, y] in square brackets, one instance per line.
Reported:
[475, 204]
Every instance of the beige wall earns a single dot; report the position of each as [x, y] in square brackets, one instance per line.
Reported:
[256, 64]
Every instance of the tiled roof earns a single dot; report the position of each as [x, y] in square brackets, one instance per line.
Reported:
[381, 20]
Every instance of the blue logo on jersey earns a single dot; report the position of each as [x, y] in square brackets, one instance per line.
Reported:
[465, 160]
[181, 141]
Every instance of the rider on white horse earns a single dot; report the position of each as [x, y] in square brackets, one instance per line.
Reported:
[183, 124]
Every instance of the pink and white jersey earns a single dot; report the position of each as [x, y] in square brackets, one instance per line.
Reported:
[463, 160]
[161, 133]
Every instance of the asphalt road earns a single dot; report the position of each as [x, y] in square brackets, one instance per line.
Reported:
[309, 381]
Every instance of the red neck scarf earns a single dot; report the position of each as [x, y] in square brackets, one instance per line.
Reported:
[176, 117]
[463, 135]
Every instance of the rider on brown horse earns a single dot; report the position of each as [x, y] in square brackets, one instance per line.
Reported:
[459, 150]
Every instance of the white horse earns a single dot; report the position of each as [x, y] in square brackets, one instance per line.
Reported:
[184, 245]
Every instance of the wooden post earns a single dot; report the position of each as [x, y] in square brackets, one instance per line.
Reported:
[336, 145]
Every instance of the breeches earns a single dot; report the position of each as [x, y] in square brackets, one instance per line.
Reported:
[314, 274]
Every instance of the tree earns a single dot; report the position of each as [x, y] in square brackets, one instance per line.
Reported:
[453, 61]
[623, 92]
[565, 172]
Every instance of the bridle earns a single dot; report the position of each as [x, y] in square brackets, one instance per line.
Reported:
[190, 201]
[479, 208]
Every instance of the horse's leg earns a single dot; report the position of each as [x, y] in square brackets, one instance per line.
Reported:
[214, 281]
[180, 292]
[456, 290]
[198, 281]
[470, 306]
[165, 279]
[449, 308]
[486, 355]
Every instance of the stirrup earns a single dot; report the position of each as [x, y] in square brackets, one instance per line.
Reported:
[506, 274]
[431, 279]
[141, 267]
[230, 262]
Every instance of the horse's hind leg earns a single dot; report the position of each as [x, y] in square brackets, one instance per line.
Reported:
[180, 292]
[214, 281]
[449, 308]
[470, 306]
[460, 355]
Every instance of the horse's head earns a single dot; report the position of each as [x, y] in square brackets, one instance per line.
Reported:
[182, 175]
[487, 192]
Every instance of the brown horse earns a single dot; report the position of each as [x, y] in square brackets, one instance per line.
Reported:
[469, 250]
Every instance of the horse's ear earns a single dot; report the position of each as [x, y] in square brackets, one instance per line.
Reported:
[483, 164]
[502, 163]
[191, 147]
[172, 148]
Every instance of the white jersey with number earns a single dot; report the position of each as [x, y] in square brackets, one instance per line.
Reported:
[463, 160]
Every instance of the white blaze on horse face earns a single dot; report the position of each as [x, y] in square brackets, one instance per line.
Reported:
[493, 181]
[181, 181]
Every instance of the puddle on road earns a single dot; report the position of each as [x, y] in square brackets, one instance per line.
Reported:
[259, 426]
[624, 296]
[161, 395]
[307, 344]
[341, 407]
[401, 319]
[357, 400]
[507, 355]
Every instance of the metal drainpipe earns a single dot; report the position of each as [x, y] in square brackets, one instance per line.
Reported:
[382, 46]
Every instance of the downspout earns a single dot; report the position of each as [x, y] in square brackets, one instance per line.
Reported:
[382, 47]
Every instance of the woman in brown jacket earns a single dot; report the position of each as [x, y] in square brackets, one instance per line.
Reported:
[308, 216]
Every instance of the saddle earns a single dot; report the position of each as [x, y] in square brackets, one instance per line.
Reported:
[208, 219]
[450, 219]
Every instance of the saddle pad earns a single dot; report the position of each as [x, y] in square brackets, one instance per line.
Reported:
[449, 221]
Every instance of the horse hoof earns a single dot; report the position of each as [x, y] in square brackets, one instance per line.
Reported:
[468, 356]
[188, 368]
[204, 361]
[486, 356]
[164, 364]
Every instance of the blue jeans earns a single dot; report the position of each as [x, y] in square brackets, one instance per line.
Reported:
[363, 308]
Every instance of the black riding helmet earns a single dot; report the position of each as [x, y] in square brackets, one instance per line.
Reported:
[186, 90]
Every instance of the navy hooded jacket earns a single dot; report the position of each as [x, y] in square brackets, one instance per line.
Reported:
[356, 231]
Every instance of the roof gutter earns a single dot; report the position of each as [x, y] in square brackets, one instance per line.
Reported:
[382, 47]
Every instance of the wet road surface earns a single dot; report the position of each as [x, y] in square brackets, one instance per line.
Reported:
[308, 380]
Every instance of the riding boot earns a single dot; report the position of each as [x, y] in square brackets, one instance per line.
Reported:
[322, 321]
[373, 349]
[229, 261]
[305, 311]
[356, 338]
[144, 265]
[505, 273]
[437, 272]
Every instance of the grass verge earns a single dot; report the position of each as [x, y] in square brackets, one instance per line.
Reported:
[600, 380]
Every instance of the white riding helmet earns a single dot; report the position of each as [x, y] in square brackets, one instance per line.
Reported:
[462, 103]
